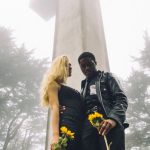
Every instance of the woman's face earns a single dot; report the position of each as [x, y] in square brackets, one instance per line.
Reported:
[69, 69]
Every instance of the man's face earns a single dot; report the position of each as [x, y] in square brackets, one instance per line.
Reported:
[88, 66]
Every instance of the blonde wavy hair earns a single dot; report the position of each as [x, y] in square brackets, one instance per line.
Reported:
[57, 74]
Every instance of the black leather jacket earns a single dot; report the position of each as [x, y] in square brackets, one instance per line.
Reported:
[111, 96]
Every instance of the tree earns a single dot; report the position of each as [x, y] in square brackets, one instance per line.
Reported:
[20, 113]
[139, 100]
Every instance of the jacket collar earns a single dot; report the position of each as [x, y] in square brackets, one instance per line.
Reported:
[98, 73]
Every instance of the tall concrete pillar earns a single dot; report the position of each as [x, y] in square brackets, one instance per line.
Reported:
[78, 28]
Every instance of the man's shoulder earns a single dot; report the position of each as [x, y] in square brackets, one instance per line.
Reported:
[105, 74]
[113, 77]
[108, 74]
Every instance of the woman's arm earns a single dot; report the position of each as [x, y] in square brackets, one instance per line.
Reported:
[54, 114]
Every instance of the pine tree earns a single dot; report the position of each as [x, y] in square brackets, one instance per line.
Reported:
[21, 118]
[138, 92]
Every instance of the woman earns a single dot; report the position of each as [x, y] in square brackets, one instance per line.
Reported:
[54, 93]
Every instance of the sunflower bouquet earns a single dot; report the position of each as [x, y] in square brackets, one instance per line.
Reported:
[96, 119]
[66, 136]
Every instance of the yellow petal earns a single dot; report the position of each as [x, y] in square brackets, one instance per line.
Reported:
[63, 129]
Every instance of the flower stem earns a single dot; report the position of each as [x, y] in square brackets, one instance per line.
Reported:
[106, 142]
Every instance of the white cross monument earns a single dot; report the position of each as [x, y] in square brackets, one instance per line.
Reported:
[78, 28]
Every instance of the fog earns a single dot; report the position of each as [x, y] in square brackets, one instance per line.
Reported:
[26, 44]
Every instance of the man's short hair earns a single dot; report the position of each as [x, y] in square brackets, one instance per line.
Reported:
[87, 55]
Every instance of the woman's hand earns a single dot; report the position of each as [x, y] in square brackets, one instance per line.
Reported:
[54, 141]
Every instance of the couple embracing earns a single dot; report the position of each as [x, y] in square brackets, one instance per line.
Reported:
[101, 93]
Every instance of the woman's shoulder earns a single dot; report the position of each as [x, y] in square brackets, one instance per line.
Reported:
[54, 85]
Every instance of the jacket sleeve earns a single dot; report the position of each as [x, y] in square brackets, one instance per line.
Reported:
[119, 100]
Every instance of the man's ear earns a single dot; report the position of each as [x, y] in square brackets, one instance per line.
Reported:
[95, 62]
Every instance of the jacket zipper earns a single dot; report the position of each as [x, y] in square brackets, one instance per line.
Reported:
[98, 90]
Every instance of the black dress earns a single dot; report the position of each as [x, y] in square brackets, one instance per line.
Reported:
[73, 114]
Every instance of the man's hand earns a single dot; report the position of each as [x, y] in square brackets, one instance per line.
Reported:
[106, 126]
[62, 109]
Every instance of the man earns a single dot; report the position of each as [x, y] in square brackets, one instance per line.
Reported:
[102, 93]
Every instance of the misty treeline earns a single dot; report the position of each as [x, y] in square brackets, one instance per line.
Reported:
[23, 121]
[138, 92]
